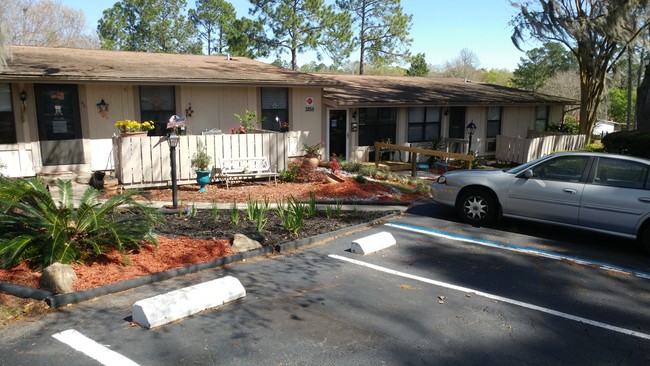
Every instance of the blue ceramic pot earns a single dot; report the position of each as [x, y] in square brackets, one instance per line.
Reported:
[202, 178]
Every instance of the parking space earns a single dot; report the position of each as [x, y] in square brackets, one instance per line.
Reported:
[439, 296]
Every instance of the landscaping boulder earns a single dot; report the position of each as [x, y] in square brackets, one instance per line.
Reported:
[242, 243]
[58, 278]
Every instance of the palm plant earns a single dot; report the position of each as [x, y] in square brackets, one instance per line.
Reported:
[36, 229]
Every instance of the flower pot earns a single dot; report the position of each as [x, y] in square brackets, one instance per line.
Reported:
[134, 134]
[314, 162]
[333, 178]
[202, 178]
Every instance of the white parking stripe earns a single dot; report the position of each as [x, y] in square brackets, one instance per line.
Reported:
[495, 297]
[516, 248]
[93, 349]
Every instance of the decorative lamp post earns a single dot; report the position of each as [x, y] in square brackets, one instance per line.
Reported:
[173, 140]
[471, 128]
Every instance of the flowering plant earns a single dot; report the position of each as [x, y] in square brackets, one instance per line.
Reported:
[284, 127]
[334, 165]
[240, 129]
[133, 126]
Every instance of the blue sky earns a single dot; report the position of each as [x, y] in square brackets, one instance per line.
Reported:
[440, 30]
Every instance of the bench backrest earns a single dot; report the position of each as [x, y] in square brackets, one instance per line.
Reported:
[241, 165]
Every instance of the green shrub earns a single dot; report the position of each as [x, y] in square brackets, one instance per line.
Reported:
[635, 143]
[36, 229]
[351, 166]
[594, 147]
[360, 178]
[290, 174]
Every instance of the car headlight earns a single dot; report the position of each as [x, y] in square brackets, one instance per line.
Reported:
[442, 179]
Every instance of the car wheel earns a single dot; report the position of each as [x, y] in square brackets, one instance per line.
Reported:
[477, 206]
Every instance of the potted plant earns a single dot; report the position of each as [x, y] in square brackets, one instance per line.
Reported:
[134, 128]
[312, 153]
[201, 161]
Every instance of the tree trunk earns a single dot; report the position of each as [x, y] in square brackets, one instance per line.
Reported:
[294, 60]
[643, 102]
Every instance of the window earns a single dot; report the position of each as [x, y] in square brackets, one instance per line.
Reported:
[7, 122]
[275, 103]
[376, 124]
[424, 124]
[157, 104]
[563, 168]
[493, 122]
[621, 173]
[541, 118]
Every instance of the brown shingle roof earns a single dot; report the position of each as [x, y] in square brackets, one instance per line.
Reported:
[368, 90]
[69, 64]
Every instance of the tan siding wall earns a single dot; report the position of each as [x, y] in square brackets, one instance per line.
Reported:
[214, 107]
[302, 120]
[120, 100]
[517, 121]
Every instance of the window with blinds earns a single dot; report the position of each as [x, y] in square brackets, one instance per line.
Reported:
[275, 108]
[7, 121]
[424, 124]
[157, 104]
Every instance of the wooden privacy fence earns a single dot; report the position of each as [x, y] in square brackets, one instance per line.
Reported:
[519, 150]
[146, 162]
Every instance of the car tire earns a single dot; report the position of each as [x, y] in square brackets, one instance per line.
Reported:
[477, 206]
[643, 238]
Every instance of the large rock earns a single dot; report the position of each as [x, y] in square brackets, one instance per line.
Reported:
[58, 278]
[242, 243]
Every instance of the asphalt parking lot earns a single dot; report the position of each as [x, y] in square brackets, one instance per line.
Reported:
[446, 293]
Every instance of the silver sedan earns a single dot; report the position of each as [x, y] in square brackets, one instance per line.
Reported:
[599, 192]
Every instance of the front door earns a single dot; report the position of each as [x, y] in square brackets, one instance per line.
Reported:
[59, 124]
[337, 132]
[457, 123]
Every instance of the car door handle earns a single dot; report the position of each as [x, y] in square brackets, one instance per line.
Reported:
[570, 190]
[644, 199]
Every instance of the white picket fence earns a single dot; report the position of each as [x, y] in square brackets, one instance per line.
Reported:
[520, 150]
[146, 161]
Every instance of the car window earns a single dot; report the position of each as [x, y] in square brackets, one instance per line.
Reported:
[562, 168]
[621, 173]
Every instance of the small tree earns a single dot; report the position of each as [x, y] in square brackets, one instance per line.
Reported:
[419, 66]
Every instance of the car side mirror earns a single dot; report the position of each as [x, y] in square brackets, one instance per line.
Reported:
[528, 174]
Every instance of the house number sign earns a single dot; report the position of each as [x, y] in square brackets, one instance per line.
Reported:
[310, 105]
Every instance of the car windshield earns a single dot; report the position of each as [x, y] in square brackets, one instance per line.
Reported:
[522, 167]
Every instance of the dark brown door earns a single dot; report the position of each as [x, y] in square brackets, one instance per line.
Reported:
[457, 123]
[338, 128]
[59, 124]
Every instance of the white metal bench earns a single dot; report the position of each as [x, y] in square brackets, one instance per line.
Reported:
[235, 169]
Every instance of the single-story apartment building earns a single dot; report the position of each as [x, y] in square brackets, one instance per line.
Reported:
[58, 106]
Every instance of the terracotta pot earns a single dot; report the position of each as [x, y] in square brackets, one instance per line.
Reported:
[134, 134]
[314, 162]
[333, 178]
